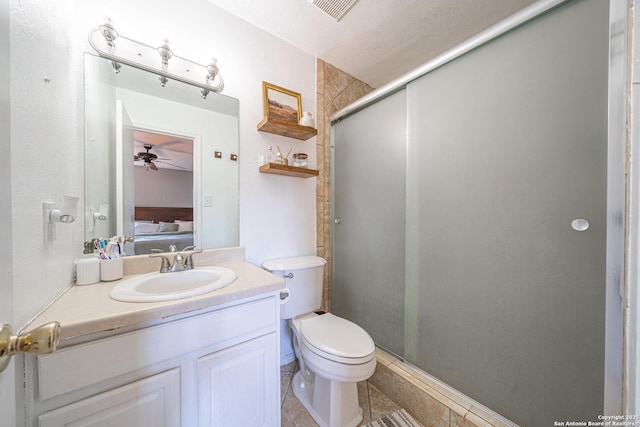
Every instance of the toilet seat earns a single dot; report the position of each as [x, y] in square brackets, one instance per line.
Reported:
[337, 339]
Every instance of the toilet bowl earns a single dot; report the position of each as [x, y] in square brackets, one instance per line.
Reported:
[334, 354]
[334, 347]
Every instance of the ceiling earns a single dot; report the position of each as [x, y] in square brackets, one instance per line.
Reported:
[174, 152]
[377, 40]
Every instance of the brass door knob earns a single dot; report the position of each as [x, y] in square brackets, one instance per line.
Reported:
[43, 339]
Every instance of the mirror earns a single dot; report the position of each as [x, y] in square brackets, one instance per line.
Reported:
[160, 162]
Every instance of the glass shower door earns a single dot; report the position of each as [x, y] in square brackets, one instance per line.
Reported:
[369, 220]
[507, 149]
[471, 219]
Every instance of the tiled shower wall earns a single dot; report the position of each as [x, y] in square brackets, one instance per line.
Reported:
[336, 89]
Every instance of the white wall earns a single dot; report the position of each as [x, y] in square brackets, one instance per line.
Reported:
[277, 214]
[46, 149]
[164, 187]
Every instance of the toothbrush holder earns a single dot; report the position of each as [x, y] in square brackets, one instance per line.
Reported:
[111, 269]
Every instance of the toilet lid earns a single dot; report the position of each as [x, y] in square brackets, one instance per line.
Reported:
[333, 335]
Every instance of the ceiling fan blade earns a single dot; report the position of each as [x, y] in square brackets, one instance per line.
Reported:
[153, 166]
[171, 142]
[177, 166]
[136, 158]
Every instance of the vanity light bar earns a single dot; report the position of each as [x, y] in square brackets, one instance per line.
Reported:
[161, 61]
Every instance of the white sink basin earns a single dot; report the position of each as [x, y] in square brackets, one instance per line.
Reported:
[152, 287]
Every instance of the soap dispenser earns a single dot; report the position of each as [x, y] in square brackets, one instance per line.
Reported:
[88, 267]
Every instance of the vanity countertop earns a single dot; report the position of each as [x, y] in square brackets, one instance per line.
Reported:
[85, 310]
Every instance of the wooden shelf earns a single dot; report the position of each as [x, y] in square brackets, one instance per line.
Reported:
[290, 130]
[278, 169]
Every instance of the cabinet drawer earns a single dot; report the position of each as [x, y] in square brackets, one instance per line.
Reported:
[153, 401]
[79, 366]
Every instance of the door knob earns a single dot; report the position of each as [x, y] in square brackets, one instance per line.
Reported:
[43, 339]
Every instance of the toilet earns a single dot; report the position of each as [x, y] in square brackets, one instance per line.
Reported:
[334, 353]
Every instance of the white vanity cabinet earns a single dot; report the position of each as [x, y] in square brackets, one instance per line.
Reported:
[153, 401]
[214, 368]
[230, 378]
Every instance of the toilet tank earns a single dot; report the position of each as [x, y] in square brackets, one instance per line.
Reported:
[303, 277]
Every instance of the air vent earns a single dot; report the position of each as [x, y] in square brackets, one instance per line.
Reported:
[334, 8]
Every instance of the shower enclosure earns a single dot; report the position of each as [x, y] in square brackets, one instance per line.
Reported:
[470, 218]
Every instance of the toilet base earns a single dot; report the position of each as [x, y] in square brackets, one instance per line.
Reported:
[330, 403]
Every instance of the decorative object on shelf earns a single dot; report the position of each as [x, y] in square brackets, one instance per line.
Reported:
[308, 119]
[279, 159]
[300, 160]
[168, 66]
[283, 112]
[269, 156]
[281, 104]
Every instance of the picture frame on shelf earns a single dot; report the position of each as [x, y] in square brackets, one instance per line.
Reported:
[281, 104]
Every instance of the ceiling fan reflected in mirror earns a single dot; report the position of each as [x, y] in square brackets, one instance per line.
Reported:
[150, 159]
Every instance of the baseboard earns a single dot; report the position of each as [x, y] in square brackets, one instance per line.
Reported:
[285, 359]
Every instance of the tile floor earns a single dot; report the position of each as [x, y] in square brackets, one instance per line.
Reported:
[374, 404]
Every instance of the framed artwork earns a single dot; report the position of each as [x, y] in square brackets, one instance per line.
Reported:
[281, 104]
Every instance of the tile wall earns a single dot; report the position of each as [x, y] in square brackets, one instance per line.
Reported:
[335, 90]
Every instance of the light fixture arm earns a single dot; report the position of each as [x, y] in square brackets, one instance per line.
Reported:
[154, 60]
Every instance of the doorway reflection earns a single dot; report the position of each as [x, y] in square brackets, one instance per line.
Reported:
[163, 191]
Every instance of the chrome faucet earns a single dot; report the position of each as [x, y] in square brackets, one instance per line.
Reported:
[181, 261]
[188, 262]
[178, 263]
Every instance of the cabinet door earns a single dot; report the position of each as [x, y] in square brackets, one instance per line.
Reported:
[153, 401]
[240, 386]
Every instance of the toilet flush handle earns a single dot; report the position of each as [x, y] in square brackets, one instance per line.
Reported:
[285, 294]
[288, 276]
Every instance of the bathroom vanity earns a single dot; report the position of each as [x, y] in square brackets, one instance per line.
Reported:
[211, 360]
